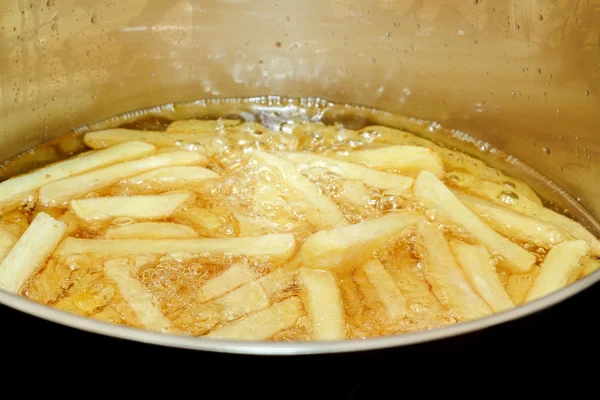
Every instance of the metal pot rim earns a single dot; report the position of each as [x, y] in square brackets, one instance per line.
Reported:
[267, 348]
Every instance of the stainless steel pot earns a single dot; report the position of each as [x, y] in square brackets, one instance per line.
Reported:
[522, 75]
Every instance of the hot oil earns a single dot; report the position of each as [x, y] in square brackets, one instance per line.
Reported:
[250, 199]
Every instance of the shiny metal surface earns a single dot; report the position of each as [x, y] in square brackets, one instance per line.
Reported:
[522, 75]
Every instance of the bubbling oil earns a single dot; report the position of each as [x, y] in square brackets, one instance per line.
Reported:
[251, 199]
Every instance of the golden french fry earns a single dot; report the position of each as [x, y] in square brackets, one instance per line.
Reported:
[60, 192]
[348, 170]
[431, 189]
[279, 247]
[31, 250]
[405, 159]
[263, 324]
[209, 127]
[519, 284]
[323, 213]
[323, 302]
[9, 234]
[385, 288]
[233, 277]
[150, 230]
[13, 190]
[138, 298]
[521, 204]
[446, 278]
[477, 265]
[242, 301]
[590, 266]
[169, 177]
[560, 263]
[352, 245]
[137, 207]
[513, 224]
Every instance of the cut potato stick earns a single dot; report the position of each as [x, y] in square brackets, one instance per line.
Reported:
[13, 190]
[9, 234]
[477, 265]
[446, 278]
[385, 288]
[279, 247]
[33, 248]
[431, 189]
[524, 205]
[201, 219]
[137, 207]
[356, 192]
[138, 298]
[323, 302]
[519, 284]
[150, 230]
[201, 126]
[60, 192]
[590, 266]
[513, 224]
[406, 159]
[244, 300]
[172, 176]
[279, 279]
[263, 324]
[233, 277]
[352, 245]
[323, 213]
[560, 263]
[112, 137]
[348, 170]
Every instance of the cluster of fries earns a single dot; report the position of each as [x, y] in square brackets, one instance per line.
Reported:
[473, 253]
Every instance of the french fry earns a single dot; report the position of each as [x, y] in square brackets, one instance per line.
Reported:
[279, 247]
[431, 189]
[210, 127]
[170, 177]
[138, 298]
[352, 245]
[323, 212]
[323, 302]
[9, 234]
[13, 190]
[112, 137]
[31, 250]
[356, 192]
[477, 265]
[513, 224]
[233, 277]
[204, 221]
[279, 279]
[590, 266]
[150, 230]
[524, 205]
[519, 284]
[242, 301]
[348, 170]
[70, 219]
[137, 207]
[60, 192]
[560, 263]
[405, 159]
[446, 278]
[385, 288]
[263, 324]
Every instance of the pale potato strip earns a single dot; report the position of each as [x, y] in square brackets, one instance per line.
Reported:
[446, 278]
[112, 137]
[477, 265]
[402, 158]
[60, 192]
[138, 298]
[560, 262]
[173, 175]
[150, 230]
[137, 207]
[431, 189]
[211, 126]
[323, 301]
[279, 247]
[348, 170]
[524, 205]
[323, 212]
[513, 224]
[9, 235]
[352, 245]
[12, 190]
[263, 324]
[279, 279]
[31, 250]
[385, 288]
[234, 276]
[244, 300]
